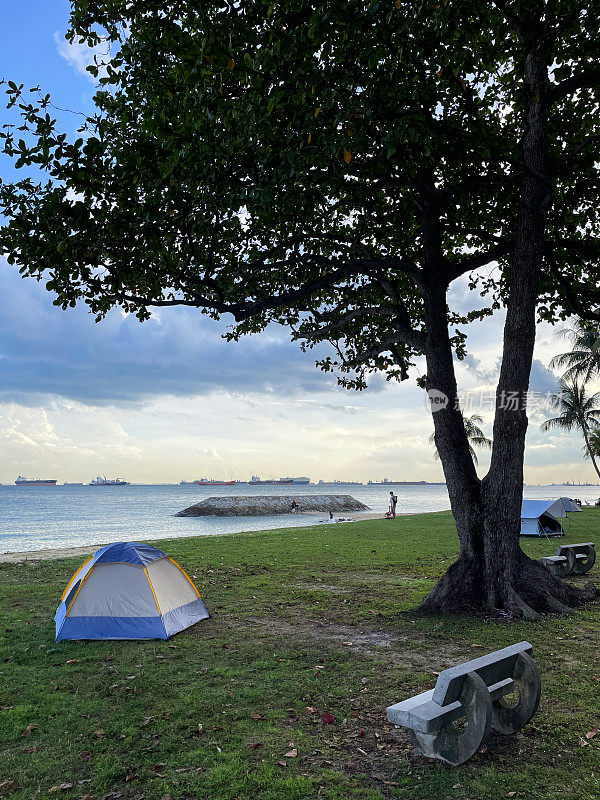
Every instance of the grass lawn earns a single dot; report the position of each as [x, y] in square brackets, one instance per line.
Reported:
[304, 621]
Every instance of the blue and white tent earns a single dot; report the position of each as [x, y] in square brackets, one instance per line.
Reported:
[128, 590]
[542, 518]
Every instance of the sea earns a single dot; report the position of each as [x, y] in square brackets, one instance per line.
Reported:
[46, 517]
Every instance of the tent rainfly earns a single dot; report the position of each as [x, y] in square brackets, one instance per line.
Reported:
[128, 590]
[542, 518]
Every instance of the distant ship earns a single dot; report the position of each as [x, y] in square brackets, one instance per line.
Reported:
[386, 482]
[68, 483]
[207, 482]
[340, 483]
[187, 483]
[255, 480]
[21, 481]
[102, 480]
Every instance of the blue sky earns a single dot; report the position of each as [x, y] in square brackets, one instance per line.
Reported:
[169, 398]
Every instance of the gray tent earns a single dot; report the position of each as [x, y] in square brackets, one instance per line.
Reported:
[542, 518]
[569, 504]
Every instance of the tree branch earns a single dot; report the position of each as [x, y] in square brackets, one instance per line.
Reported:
[586, 79]
[469, 263]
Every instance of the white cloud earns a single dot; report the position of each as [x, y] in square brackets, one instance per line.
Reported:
[80, 56]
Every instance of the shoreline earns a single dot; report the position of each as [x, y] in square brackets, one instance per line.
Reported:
[55, 553]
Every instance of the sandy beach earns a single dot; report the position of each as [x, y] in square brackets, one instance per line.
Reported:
[71, 552]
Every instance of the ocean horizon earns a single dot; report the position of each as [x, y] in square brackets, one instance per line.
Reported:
[47, 517]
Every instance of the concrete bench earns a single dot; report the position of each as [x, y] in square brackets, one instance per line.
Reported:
[474, 694]
[571, 558]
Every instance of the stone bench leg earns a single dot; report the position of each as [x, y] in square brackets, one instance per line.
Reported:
[450, 745]
[581, 566]
[558, 568]
[508, 719]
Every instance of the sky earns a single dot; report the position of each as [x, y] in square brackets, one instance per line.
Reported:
[169, 399]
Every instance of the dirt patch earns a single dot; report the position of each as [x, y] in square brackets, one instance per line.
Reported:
[322, 587]
[397, 648]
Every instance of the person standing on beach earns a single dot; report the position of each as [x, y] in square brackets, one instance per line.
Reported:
[393, 501]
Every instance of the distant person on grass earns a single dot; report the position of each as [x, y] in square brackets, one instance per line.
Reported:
[393, 501]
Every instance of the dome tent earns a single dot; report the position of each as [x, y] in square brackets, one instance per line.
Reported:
[128, 590]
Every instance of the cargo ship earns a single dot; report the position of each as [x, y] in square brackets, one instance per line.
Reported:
[386, 482]
[256, 481]
[102, 480]
[21, 481]
[340, 483]
[207, 482]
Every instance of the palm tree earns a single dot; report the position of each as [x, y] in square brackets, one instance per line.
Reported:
[578, 410]
[475, 435]
[594, 442]
[584, 358]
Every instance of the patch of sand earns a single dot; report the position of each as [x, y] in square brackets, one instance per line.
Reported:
[47, 555]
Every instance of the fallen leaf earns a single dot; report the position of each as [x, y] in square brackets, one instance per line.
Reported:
[476, 645]
[98, 733]
[511, 794]
[64, 787]
[53, 789]
[310, 710]
[254, 745]
[230, 63]
[73, 661]
[282, 763]
[362, 732]
[591, 734]
[31, 727]
[130, 777]
[256, 715]
[347, 156]
[327, 718]
[583, 742]
[292, 754]
[29, 749]
[456, 786]
[85, 754]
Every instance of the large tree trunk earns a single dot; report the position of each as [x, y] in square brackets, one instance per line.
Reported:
[492, 571]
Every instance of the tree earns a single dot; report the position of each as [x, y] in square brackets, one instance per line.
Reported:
[594, 444]
[578, 410]
[335, 167]
[475, 436]
[583, 360]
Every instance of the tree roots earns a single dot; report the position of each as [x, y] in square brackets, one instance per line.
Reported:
[531, 591]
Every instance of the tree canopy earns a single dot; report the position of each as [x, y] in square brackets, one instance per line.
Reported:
[273, 161]
[335, 167]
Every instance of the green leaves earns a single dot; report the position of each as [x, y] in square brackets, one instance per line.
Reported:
[218, 169]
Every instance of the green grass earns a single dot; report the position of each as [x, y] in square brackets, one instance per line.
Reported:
[301, 619]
